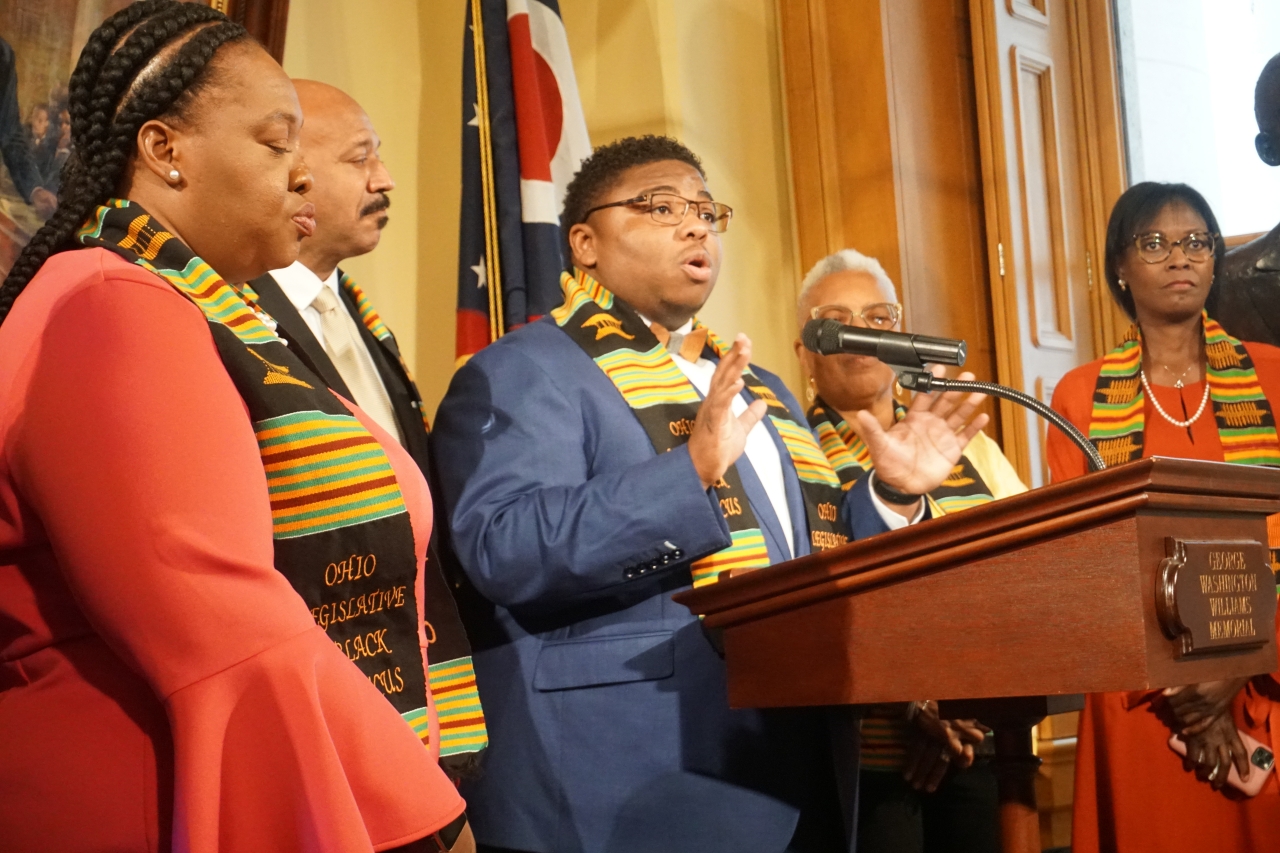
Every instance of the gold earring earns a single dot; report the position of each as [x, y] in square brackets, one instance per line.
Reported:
[812, 391]
[1124, 285]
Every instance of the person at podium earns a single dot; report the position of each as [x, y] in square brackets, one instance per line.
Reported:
[1178, 386]
[608, 455]
[921, 788]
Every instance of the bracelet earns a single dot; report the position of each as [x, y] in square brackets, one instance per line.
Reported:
[890, 495]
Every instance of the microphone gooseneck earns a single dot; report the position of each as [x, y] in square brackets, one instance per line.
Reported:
[926, 383]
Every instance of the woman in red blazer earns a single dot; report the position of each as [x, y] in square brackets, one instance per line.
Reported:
[166, 678]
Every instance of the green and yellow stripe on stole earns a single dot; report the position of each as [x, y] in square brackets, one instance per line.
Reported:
[748, 551]
[92, 227]
[648, 378]
[580, 289]
[219, 301]
[811, 463]
[419, 719]
[457, 701]
[886, 734]
[1116, 421]
[324, 472]
[955, 503]
[1246, 424]
[837, 451]
[1117, 406]
[364, 307]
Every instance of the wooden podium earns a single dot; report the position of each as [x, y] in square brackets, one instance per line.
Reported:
[1149, 575]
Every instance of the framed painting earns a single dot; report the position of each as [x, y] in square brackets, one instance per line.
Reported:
[40, 41]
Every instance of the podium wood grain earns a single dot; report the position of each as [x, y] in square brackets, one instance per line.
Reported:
[1047, 593]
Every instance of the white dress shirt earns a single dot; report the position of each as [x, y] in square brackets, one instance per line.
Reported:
[302, 286]
[762, 452]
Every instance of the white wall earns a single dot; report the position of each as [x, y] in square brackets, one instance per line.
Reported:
[1191, 70]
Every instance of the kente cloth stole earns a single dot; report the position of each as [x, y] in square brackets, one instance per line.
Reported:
[666, 403]
[848, 454]
[341, 530]
[1246, 424]
[452, 676]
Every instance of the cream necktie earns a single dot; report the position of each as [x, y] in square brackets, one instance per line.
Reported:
[345, 348]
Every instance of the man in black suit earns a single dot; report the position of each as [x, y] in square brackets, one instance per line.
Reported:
[1248, 287]
[331, 324]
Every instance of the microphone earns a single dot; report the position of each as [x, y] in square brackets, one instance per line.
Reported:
[907, 354]
[828, 337]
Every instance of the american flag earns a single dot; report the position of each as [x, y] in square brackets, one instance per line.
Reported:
[523, 137]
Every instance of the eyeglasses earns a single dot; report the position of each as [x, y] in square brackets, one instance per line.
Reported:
[671, 209]
[878, 315]
[1156, 247]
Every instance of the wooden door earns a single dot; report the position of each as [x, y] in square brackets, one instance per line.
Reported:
[1041, 234]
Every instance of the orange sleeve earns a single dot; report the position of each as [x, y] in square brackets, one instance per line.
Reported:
[138, 456]
[1261, 700]
[1073, 398]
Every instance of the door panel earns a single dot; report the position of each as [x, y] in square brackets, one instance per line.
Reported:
[1049, 298]
[1034, 175]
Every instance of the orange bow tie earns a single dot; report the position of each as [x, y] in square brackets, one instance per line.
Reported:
[688, 346]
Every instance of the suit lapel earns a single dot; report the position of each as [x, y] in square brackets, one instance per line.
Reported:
[272, 299]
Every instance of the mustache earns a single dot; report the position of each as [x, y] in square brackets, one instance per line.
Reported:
[381, 203]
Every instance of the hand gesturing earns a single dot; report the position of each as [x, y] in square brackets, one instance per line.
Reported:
[718, 437]
[918, 452]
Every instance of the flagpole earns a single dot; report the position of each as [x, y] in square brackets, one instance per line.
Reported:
[497, 324]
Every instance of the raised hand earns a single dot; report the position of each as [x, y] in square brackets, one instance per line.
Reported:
[918, 452]
[718, 437]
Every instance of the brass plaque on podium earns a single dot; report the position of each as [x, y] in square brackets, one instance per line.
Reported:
[1214, 595]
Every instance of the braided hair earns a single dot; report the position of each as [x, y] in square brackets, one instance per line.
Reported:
[109, 102]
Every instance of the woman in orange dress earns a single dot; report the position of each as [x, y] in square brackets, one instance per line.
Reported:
[207, 643]
[1177, 386]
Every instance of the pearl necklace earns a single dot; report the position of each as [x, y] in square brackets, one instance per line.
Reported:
[1180, 424]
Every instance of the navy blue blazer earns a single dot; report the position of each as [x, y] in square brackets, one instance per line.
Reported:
[609, 722]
